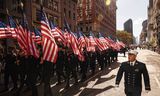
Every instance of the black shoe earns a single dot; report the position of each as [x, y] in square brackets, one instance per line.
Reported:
[14, 88]
[59, 83]
[76, 83]
[66, 87]
[82, 80]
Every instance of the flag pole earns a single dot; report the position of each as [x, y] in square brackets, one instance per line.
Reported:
[5, 40]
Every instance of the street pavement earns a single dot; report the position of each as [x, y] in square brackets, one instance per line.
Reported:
[152, 61]
[102, 83]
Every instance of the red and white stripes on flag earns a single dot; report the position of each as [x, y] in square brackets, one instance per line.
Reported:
[22, 40]
[91, 44]
[50, 48]
[7, 32]
[31, 45]
[26, 42]
[74, 44]
[81, 42]
[100, 44]
[57, 33]
[37, 39]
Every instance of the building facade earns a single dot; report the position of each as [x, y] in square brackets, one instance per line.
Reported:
[69, 12]
[128, 26]
[143, 34]
[96, 16]
[54, 9]
[153, 33]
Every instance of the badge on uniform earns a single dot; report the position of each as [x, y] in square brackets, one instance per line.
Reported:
[136, 70]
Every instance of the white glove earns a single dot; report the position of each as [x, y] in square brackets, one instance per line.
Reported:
[116, 87]
[147, 91]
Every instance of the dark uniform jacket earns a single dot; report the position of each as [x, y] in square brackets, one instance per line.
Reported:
[133, 76]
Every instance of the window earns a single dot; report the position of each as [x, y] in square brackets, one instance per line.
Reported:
[53, 5]
[81, 29]
[70, 26]
[65, 12]
[56, 20]
[74, 16]
[50, 4]
[69, 14]
[90, 29]
[86, 28]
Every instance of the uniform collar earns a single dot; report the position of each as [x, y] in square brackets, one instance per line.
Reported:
[134, 62]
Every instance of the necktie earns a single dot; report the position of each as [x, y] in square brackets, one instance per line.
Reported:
[131, 64]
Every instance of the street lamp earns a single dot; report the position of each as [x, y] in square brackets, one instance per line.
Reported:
[108, 2]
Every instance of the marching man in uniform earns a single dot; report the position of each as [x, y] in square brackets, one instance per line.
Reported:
[133, 71]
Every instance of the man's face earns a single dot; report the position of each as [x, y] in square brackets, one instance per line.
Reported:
[131, 57]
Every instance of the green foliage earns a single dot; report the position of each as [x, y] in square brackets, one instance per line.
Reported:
[124, 36]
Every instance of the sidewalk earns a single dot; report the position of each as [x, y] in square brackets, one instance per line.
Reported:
[152, 61]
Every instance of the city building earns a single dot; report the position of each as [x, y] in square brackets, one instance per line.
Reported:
[143, 35]
[153, 34]
[97, 16]
[55, 10]
[128, 26]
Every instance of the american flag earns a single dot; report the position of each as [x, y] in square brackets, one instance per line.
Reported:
[91, 43]
[50, 48]
[74, 44]
[81, 41]
[25, 39]
[71, 38]
[120, 43]
[112, 43]
[12, 27]
[100, 45]
[5, 30]
[72, 41]
[57, 33]
[36, 35]
[103, 42]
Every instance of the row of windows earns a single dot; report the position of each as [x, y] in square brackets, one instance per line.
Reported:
[70, 14]
[52, 4]
[72, 27]
[87, 29]
[70, 6]
[81, 1]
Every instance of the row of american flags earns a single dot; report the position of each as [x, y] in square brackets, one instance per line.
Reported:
[48, 36]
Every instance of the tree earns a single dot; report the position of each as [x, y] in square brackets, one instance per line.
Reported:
[124, 36]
